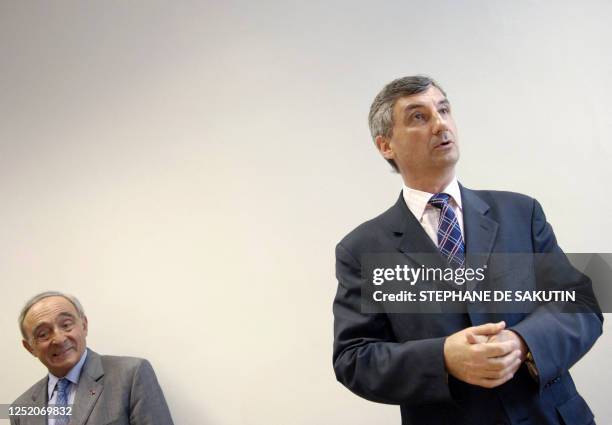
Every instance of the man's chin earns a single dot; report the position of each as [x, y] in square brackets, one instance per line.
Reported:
[449, 158]
[445, 162]
[63, 363]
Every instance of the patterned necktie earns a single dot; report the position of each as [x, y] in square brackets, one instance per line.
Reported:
[450, 241]
[62, 387]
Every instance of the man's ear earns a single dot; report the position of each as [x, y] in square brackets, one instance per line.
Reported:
[84, 319]
[384, 147]
[28, 347]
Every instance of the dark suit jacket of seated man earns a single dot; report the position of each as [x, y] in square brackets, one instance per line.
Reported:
[454, 368]
[99, 390]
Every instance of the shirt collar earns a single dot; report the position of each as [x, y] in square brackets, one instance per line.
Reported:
[73, 375]
[417, 200]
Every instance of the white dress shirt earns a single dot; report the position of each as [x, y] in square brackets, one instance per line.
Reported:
[427, 215]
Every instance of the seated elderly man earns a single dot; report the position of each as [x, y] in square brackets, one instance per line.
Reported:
[82, 387]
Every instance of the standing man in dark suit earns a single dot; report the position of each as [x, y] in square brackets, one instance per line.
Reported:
[462, 368]
[83, 386]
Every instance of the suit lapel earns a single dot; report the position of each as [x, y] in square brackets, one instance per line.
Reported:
[480, 230]
[414, 241]
[40, 397]
[89, 389]
[480, 233]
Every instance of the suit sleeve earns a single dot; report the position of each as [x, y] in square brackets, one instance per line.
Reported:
[147, 402]
[367, 358]
[558, 337]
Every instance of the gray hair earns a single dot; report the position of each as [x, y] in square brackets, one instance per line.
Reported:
[36, 298]
[380, 117]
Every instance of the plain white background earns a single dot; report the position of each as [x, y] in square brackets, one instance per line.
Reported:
[187, 167]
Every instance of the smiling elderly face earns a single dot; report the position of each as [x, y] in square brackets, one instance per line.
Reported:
[55, 333]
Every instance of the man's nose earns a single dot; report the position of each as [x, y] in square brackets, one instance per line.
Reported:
[439, 123]
[59, 337]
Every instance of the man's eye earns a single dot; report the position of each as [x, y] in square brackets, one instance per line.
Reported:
[42, 335]
[419, 116]
[444, 110]
[67, 324]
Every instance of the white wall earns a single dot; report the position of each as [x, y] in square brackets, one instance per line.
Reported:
[186, 168]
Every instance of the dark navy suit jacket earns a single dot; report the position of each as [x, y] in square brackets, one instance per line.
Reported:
[398, 358]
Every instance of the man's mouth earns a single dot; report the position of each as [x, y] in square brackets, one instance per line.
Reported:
[63, 352]
[443, 144]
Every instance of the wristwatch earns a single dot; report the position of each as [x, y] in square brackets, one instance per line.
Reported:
[531, 366]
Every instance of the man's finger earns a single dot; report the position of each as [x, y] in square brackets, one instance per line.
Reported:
[510, 369]
[475, 339]
[497, 349]
[488, 328]
[492, 383]
[495, 375]
[503, 362]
